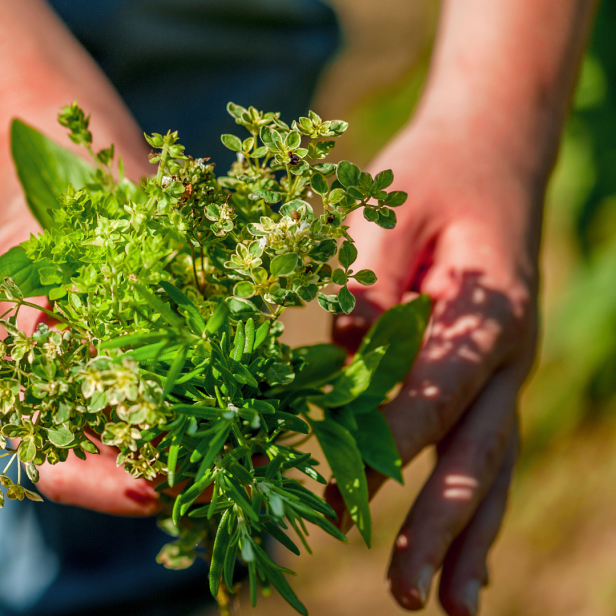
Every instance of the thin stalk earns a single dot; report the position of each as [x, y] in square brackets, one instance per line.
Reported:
[224, 604]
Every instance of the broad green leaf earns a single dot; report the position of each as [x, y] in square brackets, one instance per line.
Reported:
[232, 142]
[16, 265]
[27, 450]
[279, 373]
[348, 173]
[366, 277]
[283, 265]
[321, 362]
[347, 254]
[402, 329]
[383, 179]
[353, 380]
[319, 184]
[244, 289]
[45, 170]
[346, 463]
[346, 300]
[61, 436]
[396, 198]
[376, 444]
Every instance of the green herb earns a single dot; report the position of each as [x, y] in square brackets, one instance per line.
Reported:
[168, 296]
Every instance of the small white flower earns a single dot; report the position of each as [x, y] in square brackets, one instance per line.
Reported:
[309, 194]
[166, 181]
[263, 242]
[240, 157]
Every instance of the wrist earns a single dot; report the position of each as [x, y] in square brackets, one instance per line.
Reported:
[520, 144]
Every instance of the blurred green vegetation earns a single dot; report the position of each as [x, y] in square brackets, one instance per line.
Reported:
[574, 388]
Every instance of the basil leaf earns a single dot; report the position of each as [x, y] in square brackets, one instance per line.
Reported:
[354, 379]
[320, 362]
[15, 264]
[402, 329]
[346, 463]
[376, 444]
[45, 170]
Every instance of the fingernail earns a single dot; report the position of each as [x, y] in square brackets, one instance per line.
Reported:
[471, 596]
[346, 522]
[424, 581]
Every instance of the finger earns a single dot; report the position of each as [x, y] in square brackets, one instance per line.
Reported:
[468, 462]
[464, 570]
[463, 349]
[98, 483]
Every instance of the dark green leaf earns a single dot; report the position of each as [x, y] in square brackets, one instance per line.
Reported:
[354, 379]
[261, 334]
[286, 592]
[348, 173]
[279, 373]
[277, 533]
[45, 170]
[221, 544]
[346, 300]
[288, 422]
[15, 264]
[322, 361]
[396, 198]
[345, 460]
[377, 445]
[319, 184]
[283, 265]
[402, 328]
[384, 179]
[172, 459]
[347, 254]
[242, 375]
[365, 277]
[177, 365]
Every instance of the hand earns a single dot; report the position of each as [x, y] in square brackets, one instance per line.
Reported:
[468, 237]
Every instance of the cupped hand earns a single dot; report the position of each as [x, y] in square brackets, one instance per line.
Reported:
[468, 237]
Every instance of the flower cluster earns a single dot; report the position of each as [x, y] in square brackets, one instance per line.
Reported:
[166, 297]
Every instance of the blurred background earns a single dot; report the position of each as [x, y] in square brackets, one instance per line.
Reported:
[557, 551]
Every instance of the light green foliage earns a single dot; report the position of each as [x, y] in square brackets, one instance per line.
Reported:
[168, 298]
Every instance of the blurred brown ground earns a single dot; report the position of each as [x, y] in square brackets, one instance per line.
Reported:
[556, 555]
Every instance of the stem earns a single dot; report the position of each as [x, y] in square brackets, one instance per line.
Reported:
[164, 155]
[224, 604]
[194, 266]
[6, 468]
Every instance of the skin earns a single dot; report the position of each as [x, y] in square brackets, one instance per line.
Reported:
[475, 160]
